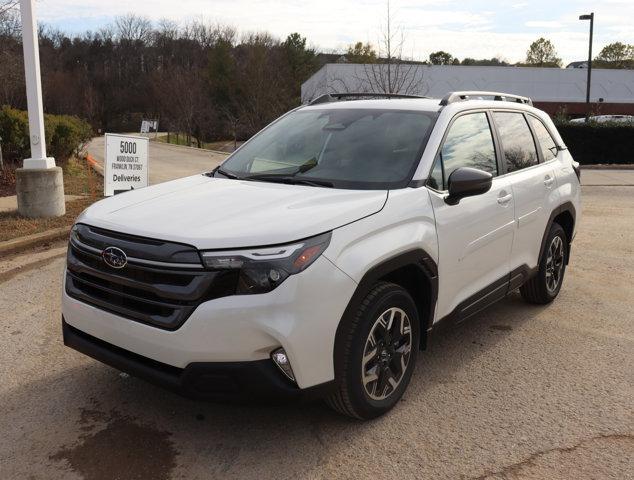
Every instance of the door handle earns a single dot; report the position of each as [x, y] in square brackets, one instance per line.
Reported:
[504, 199]
[548, 181]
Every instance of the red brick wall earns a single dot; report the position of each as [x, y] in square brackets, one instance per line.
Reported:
[578, 109]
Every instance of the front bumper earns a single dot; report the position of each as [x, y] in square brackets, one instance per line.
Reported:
[222, 381]
[301, 315]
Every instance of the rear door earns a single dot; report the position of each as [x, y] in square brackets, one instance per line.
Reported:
[529, 167]
[475, 236]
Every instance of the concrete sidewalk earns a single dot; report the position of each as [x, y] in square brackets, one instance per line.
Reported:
[607, 177]
[8, 204]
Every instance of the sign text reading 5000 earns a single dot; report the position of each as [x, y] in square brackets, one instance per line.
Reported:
[127, 147]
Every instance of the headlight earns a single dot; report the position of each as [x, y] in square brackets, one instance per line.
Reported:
[263, 269]
[74, 234]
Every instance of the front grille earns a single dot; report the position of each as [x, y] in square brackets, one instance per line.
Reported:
[161, 285]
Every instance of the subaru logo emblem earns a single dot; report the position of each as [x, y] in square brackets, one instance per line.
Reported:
[114, 257]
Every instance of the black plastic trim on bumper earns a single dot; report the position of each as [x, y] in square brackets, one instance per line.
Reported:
[220, 381]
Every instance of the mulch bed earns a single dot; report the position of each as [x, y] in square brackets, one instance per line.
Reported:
[7, 180]
[13, 225]
[79, 179]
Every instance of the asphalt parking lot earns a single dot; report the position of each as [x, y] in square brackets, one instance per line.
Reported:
[518, 392]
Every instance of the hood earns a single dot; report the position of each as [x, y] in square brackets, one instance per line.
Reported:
[213, 213]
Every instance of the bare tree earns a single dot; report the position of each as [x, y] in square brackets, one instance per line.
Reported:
[11, 72]
[10, 25]
[206, 34]
[261, 77]
[133, 28]
[392, 74]
[6, 5]
[167, 29]
[104, 75]
[106, 33]
[234, 121]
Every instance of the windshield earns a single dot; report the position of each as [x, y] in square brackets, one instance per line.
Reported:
[343, 148]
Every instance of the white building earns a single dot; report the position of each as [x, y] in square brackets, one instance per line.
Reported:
[551, 89]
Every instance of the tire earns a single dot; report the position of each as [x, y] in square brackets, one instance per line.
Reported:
[544, 287]
[378, 326]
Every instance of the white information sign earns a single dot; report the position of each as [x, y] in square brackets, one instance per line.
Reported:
[126, 165]
[148, 126]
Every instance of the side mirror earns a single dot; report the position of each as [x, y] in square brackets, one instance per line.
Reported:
[467, 182]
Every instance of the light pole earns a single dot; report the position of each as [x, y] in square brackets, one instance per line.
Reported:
[588, 82]
[39, 186]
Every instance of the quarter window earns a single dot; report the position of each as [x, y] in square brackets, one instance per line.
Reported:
[435, 178]
[469, 143]
[546, 142]
[517, 140]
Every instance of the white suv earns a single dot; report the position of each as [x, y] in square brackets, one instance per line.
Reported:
[320, 256]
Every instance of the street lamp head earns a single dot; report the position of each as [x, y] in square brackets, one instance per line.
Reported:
[586, 17]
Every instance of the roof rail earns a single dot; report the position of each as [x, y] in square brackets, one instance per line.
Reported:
[335, 97]
[453, 97]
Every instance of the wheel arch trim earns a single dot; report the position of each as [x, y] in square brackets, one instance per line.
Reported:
[418, 258]
[566, 207]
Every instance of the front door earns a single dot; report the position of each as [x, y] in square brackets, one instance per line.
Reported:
[476, 235]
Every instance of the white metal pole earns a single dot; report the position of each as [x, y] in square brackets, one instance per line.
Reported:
[33, 89]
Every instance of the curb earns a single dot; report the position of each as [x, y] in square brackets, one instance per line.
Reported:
[220, 152]
[18, 245]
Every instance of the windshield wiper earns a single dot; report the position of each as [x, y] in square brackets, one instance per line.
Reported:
[314, 183]
[232, 176]
[290, 179]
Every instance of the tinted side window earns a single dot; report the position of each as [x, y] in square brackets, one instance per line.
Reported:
[546, 142]
[469, 143]
[435, 178]
[517, 140]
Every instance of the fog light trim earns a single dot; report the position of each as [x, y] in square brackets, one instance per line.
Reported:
[280, 359]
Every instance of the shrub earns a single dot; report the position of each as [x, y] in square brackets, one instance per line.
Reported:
[14, 134]
[595, 143]
[65, 135]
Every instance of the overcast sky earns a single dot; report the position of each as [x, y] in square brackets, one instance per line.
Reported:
[467, 28]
